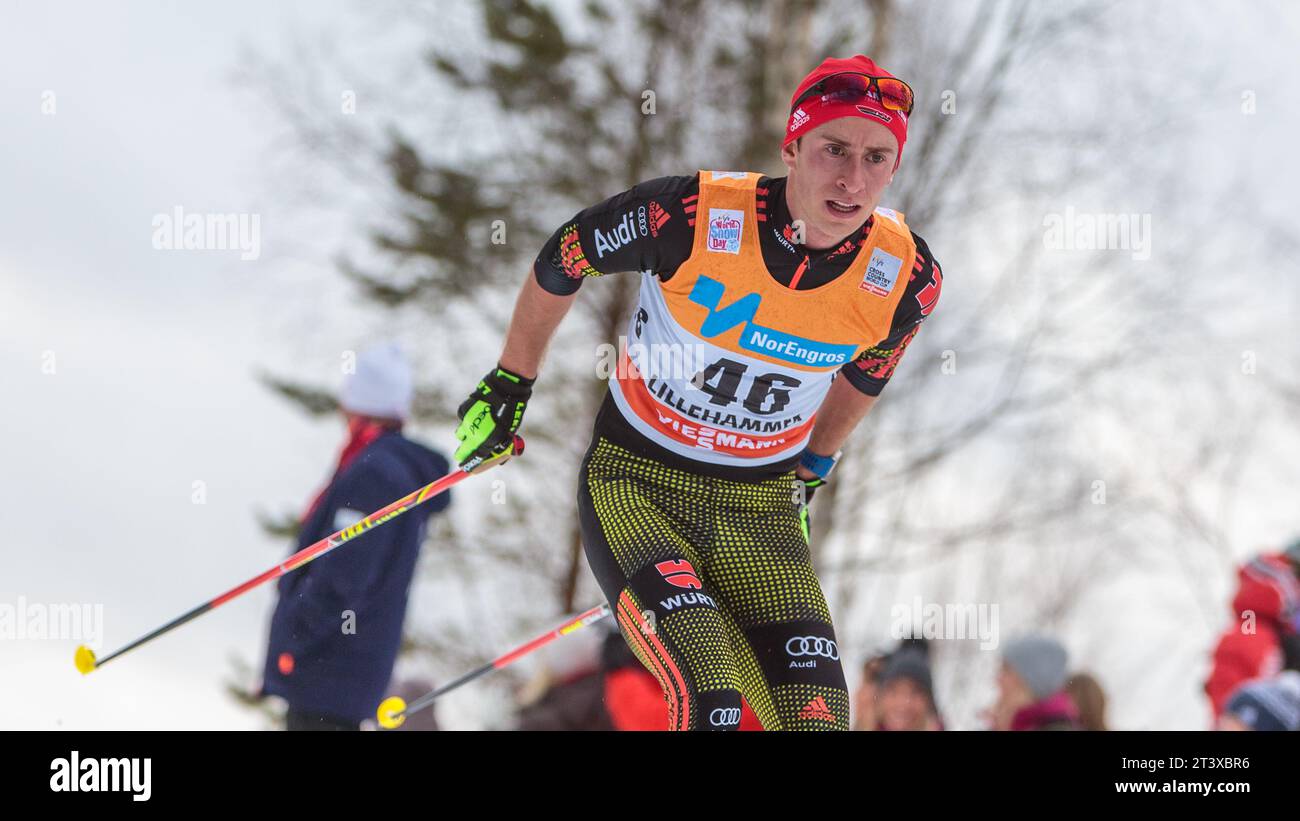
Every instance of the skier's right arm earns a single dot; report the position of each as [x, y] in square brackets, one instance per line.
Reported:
[647, 228]
[494, 411]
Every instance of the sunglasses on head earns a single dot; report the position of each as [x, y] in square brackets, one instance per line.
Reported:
[850, 87]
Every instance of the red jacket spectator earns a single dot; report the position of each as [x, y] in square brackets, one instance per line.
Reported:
[635, 701]
[1254, 645]
[620, 695]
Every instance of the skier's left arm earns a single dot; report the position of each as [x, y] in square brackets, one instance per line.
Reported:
[852, 396]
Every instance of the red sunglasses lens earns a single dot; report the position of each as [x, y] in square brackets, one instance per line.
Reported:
[895, 94]
[847, 87]
[892, 94]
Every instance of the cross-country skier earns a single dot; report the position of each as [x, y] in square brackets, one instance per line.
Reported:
[693, 494]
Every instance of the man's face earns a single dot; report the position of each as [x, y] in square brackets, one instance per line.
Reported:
[903, 705]
[864, 703]
[838, 173]
[1012, 690]
[1231, 723]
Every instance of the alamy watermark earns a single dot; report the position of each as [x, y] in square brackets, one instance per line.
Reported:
[39, 621]
[1072, 231]
[953, 620]
[77, 774]
[652, 361]
[179, 231]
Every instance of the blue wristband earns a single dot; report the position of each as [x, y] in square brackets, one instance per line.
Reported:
[821, 466]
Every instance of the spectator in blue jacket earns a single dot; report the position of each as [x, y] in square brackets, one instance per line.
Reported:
[337, 626]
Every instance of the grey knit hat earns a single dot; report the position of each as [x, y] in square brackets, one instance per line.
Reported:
[1040, 662]
[910, 664]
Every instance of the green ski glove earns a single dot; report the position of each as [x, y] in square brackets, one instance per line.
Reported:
[491, 415]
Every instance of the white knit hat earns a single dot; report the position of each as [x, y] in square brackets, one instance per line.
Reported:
[382, 385]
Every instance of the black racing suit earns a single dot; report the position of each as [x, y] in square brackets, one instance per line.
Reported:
[706, 566]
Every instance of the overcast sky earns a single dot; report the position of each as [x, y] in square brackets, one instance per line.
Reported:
[154, 353]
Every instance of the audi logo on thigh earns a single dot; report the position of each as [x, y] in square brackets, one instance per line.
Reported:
[724, 716]
[812, 646]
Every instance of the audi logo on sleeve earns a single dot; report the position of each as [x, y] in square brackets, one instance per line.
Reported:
[724, 716]
[804, 650]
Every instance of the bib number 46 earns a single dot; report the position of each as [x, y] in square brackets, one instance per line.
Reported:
[768, 393]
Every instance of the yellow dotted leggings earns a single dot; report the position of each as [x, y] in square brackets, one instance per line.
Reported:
[714, 591]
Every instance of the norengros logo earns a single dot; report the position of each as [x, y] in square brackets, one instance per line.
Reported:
[708, 293]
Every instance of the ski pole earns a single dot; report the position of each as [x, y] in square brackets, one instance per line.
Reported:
[85, 657]
[394, 710]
